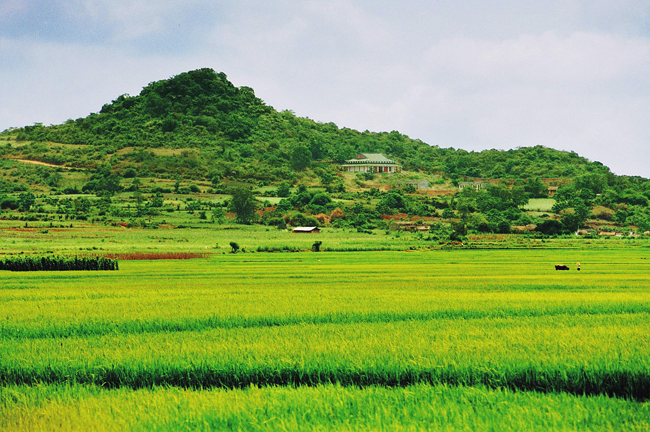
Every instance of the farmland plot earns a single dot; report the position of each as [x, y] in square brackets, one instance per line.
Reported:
[383, 340]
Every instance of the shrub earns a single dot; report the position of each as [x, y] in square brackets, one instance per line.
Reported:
[278, 222]
[321, 199]
[8, 203]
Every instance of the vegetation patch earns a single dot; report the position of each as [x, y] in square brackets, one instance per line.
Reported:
[57, 263]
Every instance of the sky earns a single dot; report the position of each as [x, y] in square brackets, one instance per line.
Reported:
[567, 74]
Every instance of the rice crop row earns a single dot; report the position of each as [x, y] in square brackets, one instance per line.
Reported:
[319, 408]
[579, 355]
[334, 336]
[236, 291]
[53, 328]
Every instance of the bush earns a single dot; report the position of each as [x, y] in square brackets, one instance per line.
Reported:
[321, 199]
[277, 222]
[8, 203]
[550, 227]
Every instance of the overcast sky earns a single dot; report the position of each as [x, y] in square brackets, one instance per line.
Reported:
[566, 74]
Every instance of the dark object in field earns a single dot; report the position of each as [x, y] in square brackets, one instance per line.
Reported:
[561, 267]
[55, 263]
[316, 246]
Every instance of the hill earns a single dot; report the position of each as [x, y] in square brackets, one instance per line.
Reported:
[189, 141]
[228, 132]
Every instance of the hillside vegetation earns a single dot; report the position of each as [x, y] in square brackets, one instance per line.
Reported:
[198, 135]
[237, 135]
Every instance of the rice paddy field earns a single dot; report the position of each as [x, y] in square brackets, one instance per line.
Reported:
[488, 340]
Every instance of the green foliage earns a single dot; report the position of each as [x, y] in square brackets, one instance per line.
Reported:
[550, 227]
[197, 126]
[218, 215]
[103, 182]
[57, 263]
[8, 203]
[231, 127]
[25, 201]
[536, 189]
[284, 190]
[301, 158]
[243, 204]
[321, 199]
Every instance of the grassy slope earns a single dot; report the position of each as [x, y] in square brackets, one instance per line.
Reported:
[460, 317]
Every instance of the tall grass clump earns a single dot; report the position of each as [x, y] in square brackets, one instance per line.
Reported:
[57, 263]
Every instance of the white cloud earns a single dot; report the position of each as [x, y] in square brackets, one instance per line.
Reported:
[579, 59]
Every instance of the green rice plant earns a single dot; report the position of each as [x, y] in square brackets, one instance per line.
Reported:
[583, 354]
[363, 323]
[318, 408]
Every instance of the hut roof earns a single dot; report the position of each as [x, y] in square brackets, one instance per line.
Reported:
[305, 229]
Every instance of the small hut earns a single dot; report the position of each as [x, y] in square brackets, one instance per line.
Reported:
[306, 230]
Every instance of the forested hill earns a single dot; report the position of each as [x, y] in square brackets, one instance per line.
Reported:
[236, 135]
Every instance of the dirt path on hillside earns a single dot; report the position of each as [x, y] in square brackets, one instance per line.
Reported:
[33, 162]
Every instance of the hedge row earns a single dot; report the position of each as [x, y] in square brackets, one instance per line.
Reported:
[57, 263]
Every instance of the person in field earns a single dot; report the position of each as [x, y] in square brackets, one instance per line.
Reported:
[578, 266]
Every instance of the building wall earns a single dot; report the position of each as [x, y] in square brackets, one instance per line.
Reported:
[373, 168]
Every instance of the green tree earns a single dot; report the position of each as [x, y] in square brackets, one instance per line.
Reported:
[218, 216]
[571, 221]
[326, 177]
[300, 158]
[321, 199]
[25, 201]
[243, 204]
[284, 190]
[536, 189]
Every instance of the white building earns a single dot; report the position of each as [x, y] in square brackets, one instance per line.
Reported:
[371, 162]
